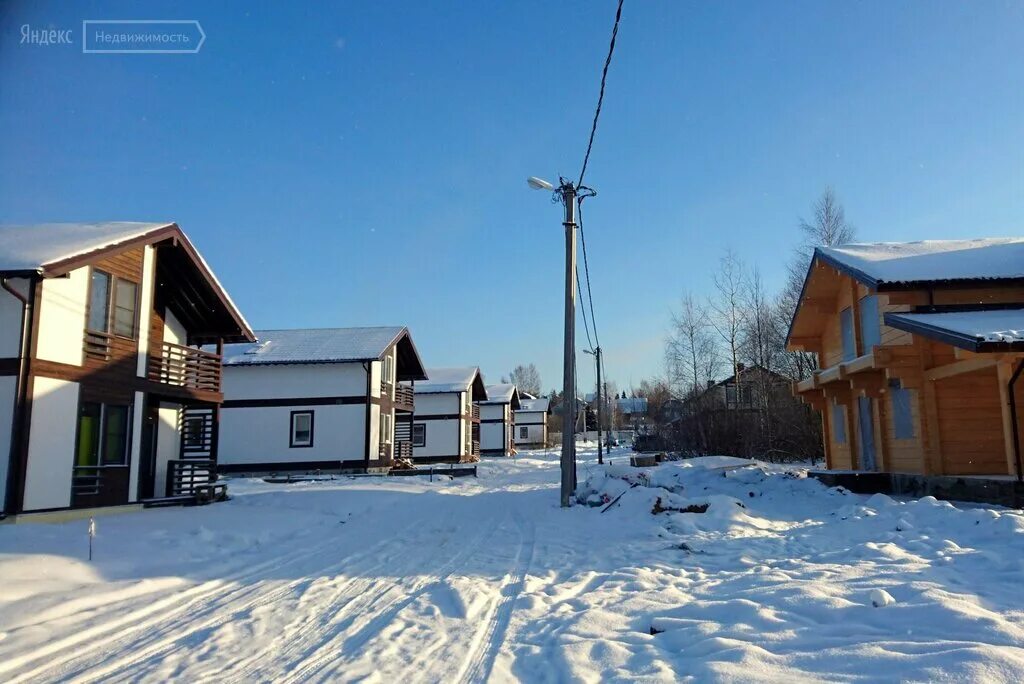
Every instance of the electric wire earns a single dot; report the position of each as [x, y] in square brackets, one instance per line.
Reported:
[600, 96]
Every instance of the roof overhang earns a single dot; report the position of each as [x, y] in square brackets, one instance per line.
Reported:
[409, 365]
[476, 387]
[917, 325]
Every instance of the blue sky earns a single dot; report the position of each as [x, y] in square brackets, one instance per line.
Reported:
[360, 163]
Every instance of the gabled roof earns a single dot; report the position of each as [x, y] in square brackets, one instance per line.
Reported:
[503, 394]
[632, 404]
[900, 265]
[984, 330]
[463, 379]
[53, 249]
[328, 345]
[748, 370]
[542, 404]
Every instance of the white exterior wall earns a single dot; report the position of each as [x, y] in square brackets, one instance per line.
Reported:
[62, 309]
[494, 435]
[168, 445]
[443, 437]
[10, 321]
[535, 431]
[135, 454]
[51, 451]
[174, 331]
[145, 311]
[8, 385]
[261, 435]
[291, 382]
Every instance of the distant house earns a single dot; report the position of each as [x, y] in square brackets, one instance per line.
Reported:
[749, 392]
[446, 424]
[497, 420]
[105, 395]
[919, 345]
[531, 420]
[329, 399]
[633, 410]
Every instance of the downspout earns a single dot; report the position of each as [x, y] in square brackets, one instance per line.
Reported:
[368, 366]
[11, 504]
[1013, 420]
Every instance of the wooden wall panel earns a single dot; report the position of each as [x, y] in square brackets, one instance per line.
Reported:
[970, 424]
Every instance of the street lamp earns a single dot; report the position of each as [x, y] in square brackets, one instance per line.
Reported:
[566, 193]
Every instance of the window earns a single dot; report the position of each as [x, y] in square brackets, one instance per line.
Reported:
[113, 305]
[839, 424]
[744, 392]
[125, 303]
[419, 434]
[846, 330]
[302, 429]
[870, 327]
[524, 432]
[389, 369]
[902, 416]
[102, 435]
[99, 301]
[385, 428]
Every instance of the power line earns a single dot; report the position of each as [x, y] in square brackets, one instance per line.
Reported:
[600, 96]
[583, 310]
[586, 270]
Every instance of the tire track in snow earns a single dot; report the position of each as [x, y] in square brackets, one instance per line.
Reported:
[295, 637]
[76, 655]
[478, 663]
[342, 642]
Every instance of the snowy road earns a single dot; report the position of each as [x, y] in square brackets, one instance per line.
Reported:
[486, 579]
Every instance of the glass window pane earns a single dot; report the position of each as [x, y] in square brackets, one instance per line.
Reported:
[903, 419]
[302, 429]
[115, 435]
[99, 298]
[839, 423]
[419, 435]
[870, 325]
[846, 328]
[87, 451]
[124, 308]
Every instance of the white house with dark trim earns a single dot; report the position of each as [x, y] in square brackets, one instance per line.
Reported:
[497, 420]
[531, 421]
[330, 399]
[106, 397]
[446, 422]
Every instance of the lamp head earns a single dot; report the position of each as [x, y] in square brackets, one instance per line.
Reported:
[539, 183]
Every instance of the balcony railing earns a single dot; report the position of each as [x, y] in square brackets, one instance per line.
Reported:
[186, 367]
[404, 396]
[183, 476]
[97, 345]
[475, 412]
[476, 447]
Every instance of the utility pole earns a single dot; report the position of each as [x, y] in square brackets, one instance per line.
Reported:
[568, 461]
[600, 452]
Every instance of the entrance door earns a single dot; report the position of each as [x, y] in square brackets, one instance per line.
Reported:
[865, 420]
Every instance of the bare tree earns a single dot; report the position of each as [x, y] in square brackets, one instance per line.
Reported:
[526, 379]
[727, 306]
[690, 355]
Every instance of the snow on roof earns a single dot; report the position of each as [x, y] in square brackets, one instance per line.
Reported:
[633, 404]
[447, 380]
[312, 345]
[500, 394]
[541, 404]
[929, 260]
[31, 247]
[973, 330]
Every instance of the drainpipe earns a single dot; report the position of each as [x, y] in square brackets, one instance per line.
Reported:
[1013, 420]
[12, 504]
[368, 366]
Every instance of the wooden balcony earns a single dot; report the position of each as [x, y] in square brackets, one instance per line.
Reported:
[186, 367]
[475, 412]
[402, 450]
[476, 448]
[97, 345]
[405, 398]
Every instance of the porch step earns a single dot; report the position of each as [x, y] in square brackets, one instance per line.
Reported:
[166, 501]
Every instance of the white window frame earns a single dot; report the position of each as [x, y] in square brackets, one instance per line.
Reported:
[293, 442]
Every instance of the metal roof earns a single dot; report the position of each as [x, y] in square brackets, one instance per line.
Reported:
[313, 345]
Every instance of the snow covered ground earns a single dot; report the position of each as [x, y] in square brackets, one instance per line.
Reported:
[476, 579]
